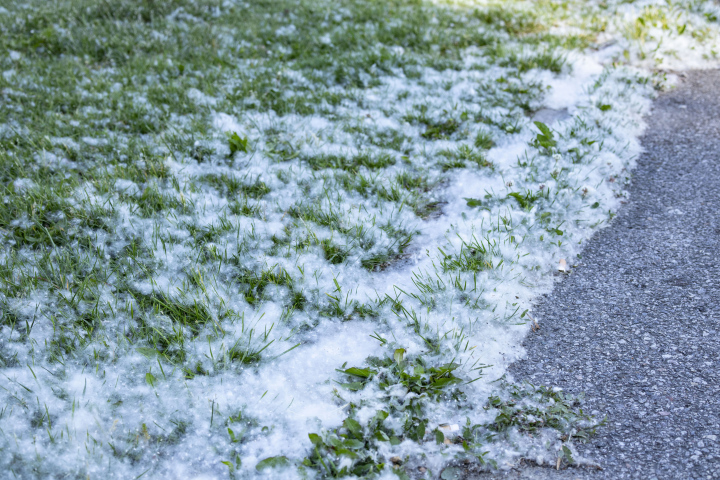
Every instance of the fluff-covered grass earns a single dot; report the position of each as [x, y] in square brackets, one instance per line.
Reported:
[301, 238]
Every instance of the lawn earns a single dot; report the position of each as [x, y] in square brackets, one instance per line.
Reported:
[301, 239]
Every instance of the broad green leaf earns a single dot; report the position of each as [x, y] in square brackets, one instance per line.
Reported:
[354, 444]
[359, 372]
[315, 438]
[147, 352]
[344, 452]
[421, 430]
[353, 386]
[272, 462]
[544, 129]
[353, 427]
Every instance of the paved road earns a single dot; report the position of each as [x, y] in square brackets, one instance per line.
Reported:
[636, 326]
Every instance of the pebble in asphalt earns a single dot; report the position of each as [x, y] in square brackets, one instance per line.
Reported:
[636, 324]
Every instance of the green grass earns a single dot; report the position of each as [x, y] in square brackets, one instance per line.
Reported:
[232, 186]
[353, 163]
[146, 250]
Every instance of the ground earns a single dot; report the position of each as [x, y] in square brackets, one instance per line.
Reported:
[305, 238]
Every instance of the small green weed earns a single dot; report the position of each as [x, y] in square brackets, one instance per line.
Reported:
[237, 143]
[545, 139]
[352, 449]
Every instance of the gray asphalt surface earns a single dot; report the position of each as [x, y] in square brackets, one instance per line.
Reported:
[636, 325]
